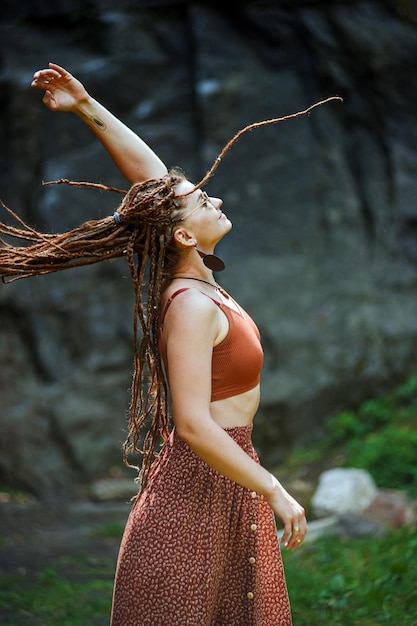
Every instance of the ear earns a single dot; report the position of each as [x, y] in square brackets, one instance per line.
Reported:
[184, 238]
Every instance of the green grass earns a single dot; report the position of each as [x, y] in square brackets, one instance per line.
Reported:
[113, 530]
[52, 600]
[364, 582]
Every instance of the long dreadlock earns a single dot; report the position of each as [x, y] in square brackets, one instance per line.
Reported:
[142, 231]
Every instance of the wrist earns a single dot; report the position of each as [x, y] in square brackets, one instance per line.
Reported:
[273, 489]
[84, 106]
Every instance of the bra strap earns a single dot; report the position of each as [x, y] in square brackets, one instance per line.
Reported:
[174, 295]
[170, 299]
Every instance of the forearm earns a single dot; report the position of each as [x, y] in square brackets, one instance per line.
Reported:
[132, 156]
[212, 444]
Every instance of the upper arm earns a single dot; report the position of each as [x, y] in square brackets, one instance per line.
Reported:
[136, 160]
[132, 156]
[190, 330]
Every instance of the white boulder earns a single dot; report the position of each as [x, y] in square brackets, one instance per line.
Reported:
[343, 490]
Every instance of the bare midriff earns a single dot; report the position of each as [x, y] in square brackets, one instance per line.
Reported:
[237, 410]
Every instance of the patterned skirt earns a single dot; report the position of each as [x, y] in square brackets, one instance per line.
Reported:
[198, 549]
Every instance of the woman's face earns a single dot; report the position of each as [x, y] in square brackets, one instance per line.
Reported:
[202, 215]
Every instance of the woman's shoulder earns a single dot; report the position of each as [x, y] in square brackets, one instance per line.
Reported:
[187, 306]
[194, 317]
[186, 297]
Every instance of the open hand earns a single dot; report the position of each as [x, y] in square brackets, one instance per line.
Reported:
[62, 91]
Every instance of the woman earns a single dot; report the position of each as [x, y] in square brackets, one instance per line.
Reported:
[200, 546]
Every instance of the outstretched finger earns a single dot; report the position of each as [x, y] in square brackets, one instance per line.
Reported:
[60, 70]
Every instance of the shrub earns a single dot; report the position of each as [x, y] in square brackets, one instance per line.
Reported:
[380, 437]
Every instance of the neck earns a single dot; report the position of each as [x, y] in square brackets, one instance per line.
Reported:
[208, 281]
[211, 283]
[197, 271]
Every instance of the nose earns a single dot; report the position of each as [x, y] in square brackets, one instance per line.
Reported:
[217, 203]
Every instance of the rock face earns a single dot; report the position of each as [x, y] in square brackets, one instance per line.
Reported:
[324, 247]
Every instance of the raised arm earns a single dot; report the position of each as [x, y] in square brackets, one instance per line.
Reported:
[132, 156]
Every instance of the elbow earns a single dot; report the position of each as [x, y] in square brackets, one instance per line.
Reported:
[145, 172]
[192, 431]
[186, 433]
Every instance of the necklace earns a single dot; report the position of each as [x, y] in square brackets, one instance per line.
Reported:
[215, 286]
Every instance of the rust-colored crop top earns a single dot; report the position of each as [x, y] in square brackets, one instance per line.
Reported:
[237, 360]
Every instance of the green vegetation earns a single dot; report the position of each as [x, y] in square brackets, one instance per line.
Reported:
[380, 437]
[364, 582]
[110, 531]
[79, 597]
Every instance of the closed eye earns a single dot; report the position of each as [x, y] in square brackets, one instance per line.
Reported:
[204, 199]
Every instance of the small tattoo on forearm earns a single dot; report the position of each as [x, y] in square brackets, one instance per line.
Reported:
[97, 121]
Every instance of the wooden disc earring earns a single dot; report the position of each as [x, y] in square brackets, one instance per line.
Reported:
[213, 262]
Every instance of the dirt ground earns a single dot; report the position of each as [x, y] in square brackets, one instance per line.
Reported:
[34, 535]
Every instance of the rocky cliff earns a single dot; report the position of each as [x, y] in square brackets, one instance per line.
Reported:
[323, 252]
